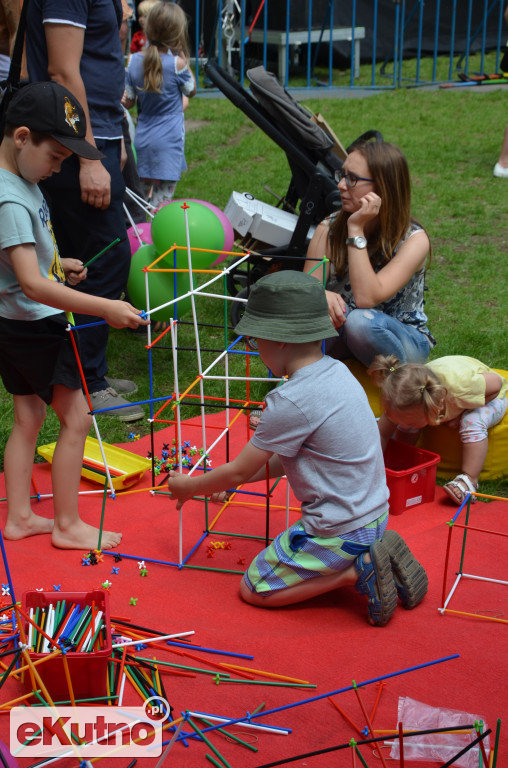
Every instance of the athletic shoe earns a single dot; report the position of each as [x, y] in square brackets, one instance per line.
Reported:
[375, 579]
[121, 408]
[411, 580]
[122, 386]
[500, 171]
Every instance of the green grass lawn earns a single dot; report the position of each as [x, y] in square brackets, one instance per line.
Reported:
[451, 138]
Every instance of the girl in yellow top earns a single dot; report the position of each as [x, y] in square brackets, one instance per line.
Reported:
[458, 390]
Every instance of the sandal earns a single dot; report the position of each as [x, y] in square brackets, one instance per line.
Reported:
[375, 579]
[411, 581]
[459, 488]
[254, 418]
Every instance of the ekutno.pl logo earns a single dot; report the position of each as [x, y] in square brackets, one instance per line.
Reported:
[86, 732]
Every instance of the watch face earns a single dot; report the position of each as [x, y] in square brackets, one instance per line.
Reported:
[358, 241]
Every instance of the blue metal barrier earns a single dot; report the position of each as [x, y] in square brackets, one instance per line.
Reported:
[322, 43]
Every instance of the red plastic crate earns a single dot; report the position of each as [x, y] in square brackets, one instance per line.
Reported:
[410, 475]
[87, 671]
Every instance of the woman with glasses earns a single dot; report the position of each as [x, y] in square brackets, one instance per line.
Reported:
[376, 255]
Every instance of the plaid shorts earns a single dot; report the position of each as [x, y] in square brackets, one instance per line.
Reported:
[295, 556]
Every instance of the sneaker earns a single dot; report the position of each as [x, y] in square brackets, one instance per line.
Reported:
[122, 409]
[375, 579]
[122, 386]
[410, 578]
[500, 171]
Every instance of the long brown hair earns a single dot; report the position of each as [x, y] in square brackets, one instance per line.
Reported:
[389, 169]
[166, 27]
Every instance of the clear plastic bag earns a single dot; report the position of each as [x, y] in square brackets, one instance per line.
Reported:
[440, 747]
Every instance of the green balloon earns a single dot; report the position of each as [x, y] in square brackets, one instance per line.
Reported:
[160, 285]
[205, 231]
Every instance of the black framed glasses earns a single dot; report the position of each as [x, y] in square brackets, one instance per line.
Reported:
[351, 179]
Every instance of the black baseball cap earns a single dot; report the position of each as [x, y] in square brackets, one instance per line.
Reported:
[52, 109]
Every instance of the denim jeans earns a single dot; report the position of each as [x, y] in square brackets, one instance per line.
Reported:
[369, 332]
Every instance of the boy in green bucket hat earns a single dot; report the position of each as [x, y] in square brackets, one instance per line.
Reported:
[318, 429]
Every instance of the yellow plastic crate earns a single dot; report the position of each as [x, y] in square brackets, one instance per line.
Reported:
[126, 468]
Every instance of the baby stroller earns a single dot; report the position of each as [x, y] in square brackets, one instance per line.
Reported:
[312, 192]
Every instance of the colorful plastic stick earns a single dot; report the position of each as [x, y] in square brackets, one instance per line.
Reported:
[206, 740]
[367, 720]
[94, 258]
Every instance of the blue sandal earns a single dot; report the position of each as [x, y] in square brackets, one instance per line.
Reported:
[411, 581]
[375, 579]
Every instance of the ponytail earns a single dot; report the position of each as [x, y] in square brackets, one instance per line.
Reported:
[406, 386]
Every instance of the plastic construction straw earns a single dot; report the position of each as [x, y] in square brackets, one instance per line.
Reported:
[347, 718]
[478, 728]
[8, 704]
[234, 667]
[94, 258]
[153, 639]
[266, 682]
[206, 740]
[231, 736]
[6, 567]
[374, 740]
[466, 749]
[401, 746]
[245, 722]
[211, 650]
[43, 688]
[180, 666]
[232, 721]
[367, 719]
[173, 739]
[380, 687]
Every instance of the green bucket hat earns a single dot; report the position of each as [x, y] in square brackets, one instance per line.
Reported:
[287, 306]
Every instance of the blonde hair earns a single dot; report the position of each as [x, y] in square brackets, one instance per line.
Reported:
[389, 169]
[146, 6]
[166, 27]
[405, 386]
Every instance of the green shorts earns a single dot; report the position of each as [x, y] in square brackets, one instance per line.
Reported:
[295, 556]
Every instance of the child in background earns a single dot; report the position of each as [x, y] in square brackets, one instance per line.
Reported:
[455, 390]
[328, 446]
[158, 79]
[44, 125]
[138, 41]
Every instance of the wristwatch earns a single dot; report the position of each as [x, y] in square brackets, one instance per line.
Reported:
[359, 241]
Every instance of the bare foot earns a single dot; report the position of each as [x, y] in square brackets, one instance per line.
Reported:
[84, 536]
[33, 525]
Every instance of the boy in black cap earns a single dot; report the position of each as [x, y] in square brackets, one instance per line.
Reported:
[44, 125]
[319, 430]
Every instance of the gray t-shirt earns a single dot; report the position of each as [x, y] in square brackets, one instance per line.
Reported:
[321, 425]
[24, 218]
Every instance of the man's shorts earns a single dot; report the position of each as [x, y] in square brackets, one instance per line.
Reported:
[37, 354]
[295, 556]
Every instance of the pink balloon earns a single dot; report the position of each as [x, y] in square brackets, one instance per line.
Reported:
[229, 235]
[144, 234]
